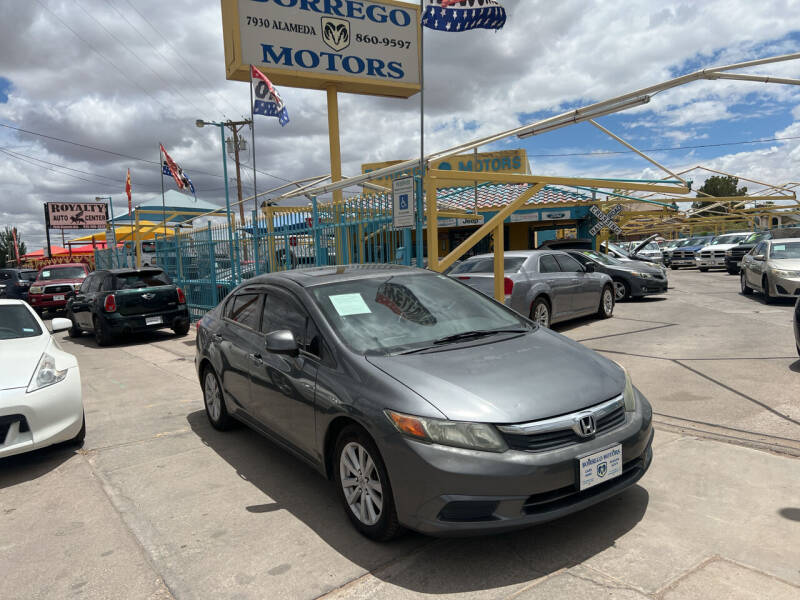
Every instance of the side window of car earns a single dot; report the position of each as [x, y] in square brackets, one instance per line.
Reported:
[245, 309]
[85, 285]
[568, 264]
[283, 312]
[94, 285]
[760, 248]
[107, 285]
[548, 264]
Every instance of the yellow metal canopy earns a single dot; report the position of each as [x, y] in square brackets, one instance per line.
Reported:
[147, 231]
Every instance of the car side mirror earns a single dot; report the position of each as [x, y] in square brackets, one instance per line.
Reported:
[282, 342]
[759, 257]
[589, 267]
[60, 324]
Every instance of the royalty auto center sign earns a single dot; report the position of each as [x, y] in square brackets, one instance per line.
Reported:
[360, 46]
[75, 215]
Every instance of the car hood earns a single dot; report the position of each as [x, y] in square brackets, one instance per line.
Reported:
[718, 247]
[643, 243]
[790, 264]
[534, 376]
[637, 266]
[18, 359]
[690, 248]
[56, 282]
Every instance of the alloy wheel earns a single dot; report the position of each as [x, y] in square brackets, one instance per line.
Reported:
[212, 396]
[361, 483]
[542, 315]
[619, 290]
[608, 302]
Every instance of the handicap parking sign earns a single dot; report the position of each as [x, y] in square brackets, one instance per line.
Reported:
[403, 201]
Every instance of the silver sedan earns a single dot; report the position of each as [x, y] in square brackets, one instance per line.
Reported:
[773, 268]
[546, 285]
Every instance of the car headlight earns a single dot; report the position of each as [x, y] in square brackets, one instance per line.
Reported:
[784, 273]
[36, 289]
[46, 373]
[461, 434]
[642, 275]
[629, 394]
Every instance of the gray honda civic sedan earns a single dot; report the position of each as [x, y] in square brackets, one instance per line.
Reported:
[429, 405]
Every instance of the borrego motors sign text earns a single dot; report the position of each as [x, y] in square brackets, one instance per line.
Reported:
[361, 46]
[76, 215]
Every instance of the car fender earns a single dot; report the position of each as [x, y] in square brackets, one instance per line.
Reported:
[538, 288]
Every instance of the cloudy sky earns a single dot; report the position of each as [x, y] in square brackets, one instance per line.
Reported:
[116, 77]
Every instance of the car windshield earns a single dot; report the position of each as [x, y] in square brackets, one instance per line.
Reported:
[601, 258]
[384, 315]
[650, 247]
[781, 250]
[135, 281]
[28, 275]
[485, 264]
[728, 239]
[53, 273]
[16, 321]
[757, 237]
[617, 249]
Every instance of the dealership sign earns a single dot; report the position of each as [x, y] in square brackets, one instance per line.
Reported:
[76, 215]
[360, 46]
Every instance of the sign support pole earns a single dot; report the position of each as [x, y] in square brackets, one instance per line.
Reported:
[333, 139]
[48, 253]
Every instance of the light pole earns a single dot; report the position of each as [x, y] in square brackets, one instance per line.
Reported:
[110, 244]
[201, 123]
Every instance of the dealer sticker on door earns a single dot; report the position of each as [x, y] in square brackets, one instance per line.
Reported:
[596, 468]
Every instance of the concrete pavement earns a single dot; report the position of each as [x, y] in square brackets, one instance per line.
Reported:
[158, 504]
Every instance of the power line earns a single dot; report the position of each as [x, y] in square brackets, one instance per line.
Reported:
[25, 160]
[607, 152]
[112, 65]
[9, 151]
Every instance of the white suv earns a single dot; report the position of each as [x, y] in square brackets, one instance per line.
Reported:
[713, 255]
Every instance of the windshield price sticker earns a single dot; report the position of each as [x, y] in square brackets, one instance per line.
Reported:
[349, 304]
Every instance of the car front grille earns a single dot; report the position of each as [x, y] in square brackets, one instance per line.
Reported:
[712, 254]
[57, 289]
[738, 253]
[568, 495]
[563, 434]
[682, 254]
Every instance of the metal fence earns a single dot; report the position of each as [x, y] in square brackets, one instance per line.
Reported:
[209, 262]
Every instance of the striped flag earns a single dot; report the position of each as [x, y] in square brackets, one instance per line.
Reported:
[267, 101]
[463, 15]
[128, 191]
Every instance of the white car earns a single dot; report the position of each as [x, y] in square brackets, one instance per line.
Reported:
[40, 384]
[713, 255]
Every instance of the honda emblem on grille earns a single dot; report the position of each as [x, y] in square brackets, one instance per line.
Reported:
[586, 426]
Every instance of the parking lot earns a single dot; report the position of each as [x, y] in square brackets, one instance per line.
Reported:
[158, 504]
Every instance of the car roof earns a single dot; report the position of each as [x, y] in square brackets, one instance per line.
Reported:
[519, 253]
[130, 271]
[6, 302]
[321, 275]
[783, 241]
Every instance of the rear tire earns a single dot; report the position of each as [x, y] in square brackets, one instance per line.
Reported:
[540, 312]
[214, 401]
[606, 308]
[746, 289]
[101, 335]
[74, 331]
[365, 481]
[673, 267]
[181, 330]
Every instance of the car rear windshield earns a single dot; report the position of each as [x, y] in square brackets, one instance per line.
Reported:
[405, 312]
[141, 279]
[16, 321]
[51, 273]
[485, 264]
[781, 250]
[28, 275]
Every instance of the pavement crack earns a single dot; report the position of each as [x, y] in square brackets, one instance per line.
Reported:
[602, 337]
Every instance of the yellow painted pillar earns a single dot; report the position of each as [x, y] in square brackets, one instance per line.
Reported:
[432, 224]
[499, 271]
[333, 140]
[136, 243]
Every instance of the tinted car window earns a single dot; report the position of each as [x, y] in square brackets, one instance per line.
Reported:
[107, 285]
[244, 309]
[780, 250]
[485, 264]
[28, 275]
[133, 281]
[16, 321]
[568, 264]
[84, 289]
[548, 264]
[760, 248]
[283, 312]
[94, 283]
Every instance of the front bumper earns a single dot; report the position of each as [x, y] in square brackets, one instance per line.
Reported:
[121, 324]
[785, 287]
[441, 490]
[710, 262]
[682, 262]
[48, 301]
[647, 287]
[29, 421]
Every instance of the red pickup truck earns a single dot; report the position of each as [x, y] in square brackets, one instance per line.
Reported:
[54, 285]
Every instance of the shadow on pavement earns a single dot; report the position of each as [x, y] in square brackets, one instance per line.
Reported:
[133, 339]
[21, 468]
[795, 366]
[429, 565]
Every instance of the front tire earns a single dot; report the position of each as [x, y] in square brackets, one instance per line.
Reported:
[621, 290]
[746, 289]
[768, 297]
[703, 269]
[540, 312]
[363, 485]
[214, 401]
[606, 308]
[732, 271]
[673, 267]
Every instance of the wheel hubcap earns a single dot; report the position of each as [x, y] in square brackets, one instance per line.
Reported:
[213, 399]
[608, 302]
[542, 315]
[361, 484]
[619, 290]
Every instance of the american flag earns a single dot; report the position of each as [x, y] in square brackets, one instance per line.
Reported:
[267, 101]
[462, 15]
[170, 168]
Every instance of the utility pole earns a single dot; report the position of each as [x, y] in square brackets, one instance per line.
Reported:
[236, 142]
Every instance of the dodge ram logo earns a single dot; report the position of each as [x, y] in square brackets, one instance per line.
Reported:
[336, 33]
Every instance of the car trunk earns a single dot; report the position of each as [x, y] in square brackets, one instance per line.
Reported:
[145, 301]
[483, 282]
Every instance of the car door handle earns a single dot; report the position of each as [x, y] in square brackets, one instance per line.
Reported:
[256, 358]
